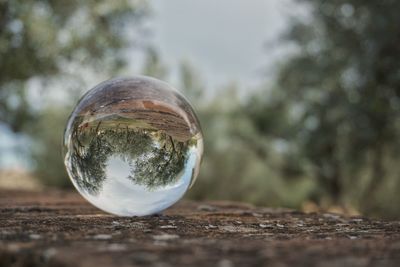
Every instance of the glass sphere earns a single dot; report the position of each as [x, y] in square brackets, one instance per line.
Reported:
[133, 146]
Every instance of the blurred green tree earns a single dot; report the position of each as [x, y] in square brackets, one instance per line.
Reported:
[43, 39]
[61, 44]
[191, 83]
[45, 149]
[240, 163]
[153, 65]
[340, 91]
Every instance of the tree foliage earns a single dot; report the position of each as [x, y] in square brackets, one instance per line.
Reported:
[155, 159]
[60, 44]
[45, 39]
[341, 91]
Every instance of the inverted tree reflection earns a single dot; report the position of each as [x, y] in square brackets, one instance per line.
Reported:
[154, 157]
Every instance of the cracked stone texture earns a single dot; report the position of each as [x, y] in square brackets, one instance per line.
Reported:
[55, 228]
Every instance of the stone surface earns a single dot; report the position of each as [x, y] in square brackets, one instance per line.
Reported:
[56, 228]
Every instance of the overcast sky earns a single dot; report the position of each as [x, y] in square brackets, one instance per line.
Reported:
[224, 39]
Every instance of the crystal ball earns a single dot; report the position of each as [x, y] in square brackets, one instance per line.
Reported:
[133, 146]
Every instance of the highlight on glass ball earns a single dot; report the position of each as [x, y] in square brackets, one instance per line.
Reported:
[133, 146]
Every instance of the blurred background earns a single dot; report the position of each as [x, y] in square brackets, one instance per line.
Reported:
[299, 100]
